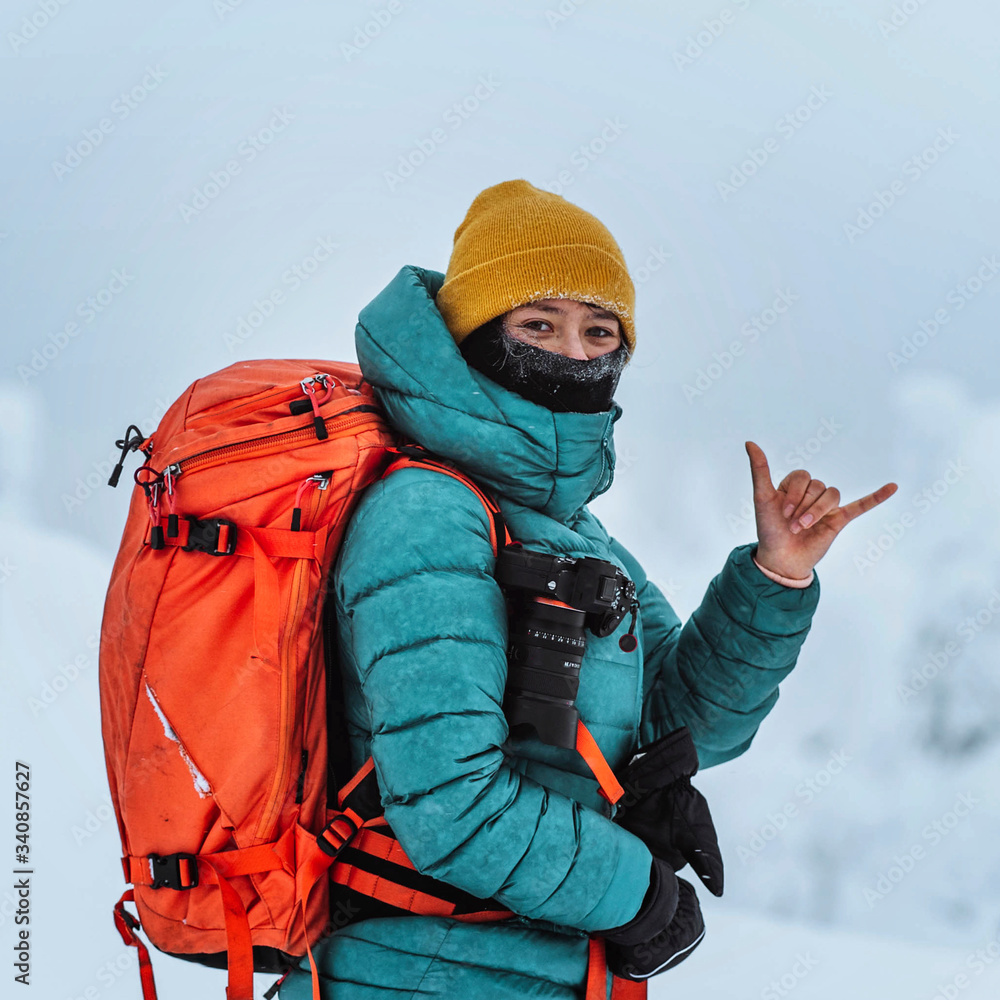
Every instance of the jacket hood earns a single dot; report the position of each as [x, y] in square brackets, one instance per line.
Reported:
[553, 462]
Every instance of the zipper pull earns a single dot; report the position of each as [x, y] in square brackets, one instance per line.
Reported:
[628, 642]
[309, 388]
[151, 487]
[322, 480]
[271, 990]
[170, 473]
[126, 444]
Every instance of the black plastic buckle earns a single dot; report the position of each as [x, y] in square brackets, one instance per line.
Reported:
[165, 870]
[203, 536]
[327, 846]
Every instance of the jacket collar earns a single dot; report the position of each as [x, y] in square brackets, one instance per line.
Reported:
[553, 462]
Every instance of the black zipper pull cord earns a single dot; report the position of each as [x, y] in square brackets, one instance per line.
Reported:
[152, 488]
[628, 642]
[309, 388]
[170, 473]
[322, 480]
[126, 445]
[271, 990]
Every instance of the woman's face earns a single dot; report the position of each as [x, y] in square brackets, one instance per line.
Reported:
[566, 326]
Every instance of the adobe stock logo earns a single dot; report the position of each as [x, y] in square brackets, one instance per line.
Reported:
[777, 988]
[586, 153]
[708, 375]
[249, 148]
[933, 833]
[901, 14]
[806, 790]
[30, 26]
[565, 10]
[366, 33]
[924, 501]
[913, 168]
[455, 117]
[757, 156]
[121, 107]
[959, 296]
[88, 310]
[712, 28]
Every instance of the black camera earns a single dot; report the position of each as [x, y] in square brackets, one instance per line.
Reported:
[552, 600]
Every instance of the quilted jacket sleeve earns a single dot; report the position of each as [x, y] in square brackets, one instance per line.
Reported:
[423, 634]
[718, 674]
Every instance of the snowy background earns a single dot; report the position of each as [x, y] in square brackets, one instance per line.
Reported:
[165, 169]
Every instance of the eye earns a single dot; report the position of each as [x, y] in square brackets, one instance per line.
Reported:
[530, 324]
[601, 331]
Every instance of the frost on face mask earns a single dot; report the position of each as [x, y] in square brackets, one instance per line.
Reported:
[522, 360]
[545, 377]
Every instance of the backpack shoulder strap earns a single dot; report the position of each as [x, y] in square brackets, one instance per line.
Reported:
[415, 456]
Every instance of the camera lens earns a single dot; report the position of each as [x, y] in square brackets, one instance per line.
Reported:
[545, 652]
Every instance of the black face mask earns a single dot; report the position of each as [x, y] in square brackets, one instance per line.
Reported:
[563, 385]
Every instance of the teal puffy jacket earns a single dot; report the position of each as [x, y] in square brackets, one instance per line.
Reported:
[422, 637]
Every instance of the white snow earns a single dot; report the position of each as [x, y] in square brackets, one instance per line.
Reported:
[749, 957]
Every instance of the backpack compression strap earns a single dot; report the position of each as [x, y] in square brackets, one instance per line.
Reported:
[370, 860]
[381, 869]
[185, 871]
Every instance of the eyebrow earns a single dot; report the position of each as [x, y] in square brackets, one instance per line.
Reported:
[595, 310]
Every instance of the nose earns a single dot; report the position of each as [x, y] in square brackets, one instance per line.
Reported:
[573, 347]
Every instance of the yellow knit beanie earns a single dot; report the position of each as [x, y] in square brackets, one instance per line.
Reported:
[518, 244]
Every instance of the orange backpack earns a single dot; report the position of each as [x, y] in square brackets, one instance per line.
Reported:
[214, 679]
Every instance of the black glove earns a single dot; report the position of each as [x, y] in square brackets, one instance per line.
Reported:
[662, 808]
[667, 928]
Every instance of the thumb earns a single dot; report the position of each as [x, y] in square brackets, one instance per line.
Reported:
[707, 865]
[697, 840]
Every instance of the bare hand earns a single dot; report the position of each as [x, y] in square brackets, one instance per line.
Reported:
[798, 521]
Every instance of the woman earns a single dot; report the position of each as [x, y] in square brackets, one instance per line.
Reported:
[507, 366]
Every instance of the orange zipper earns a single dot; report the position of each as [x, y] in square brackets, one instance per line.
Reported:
[344, 421]
[276, 795]
[229, 409]
[286, 729]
